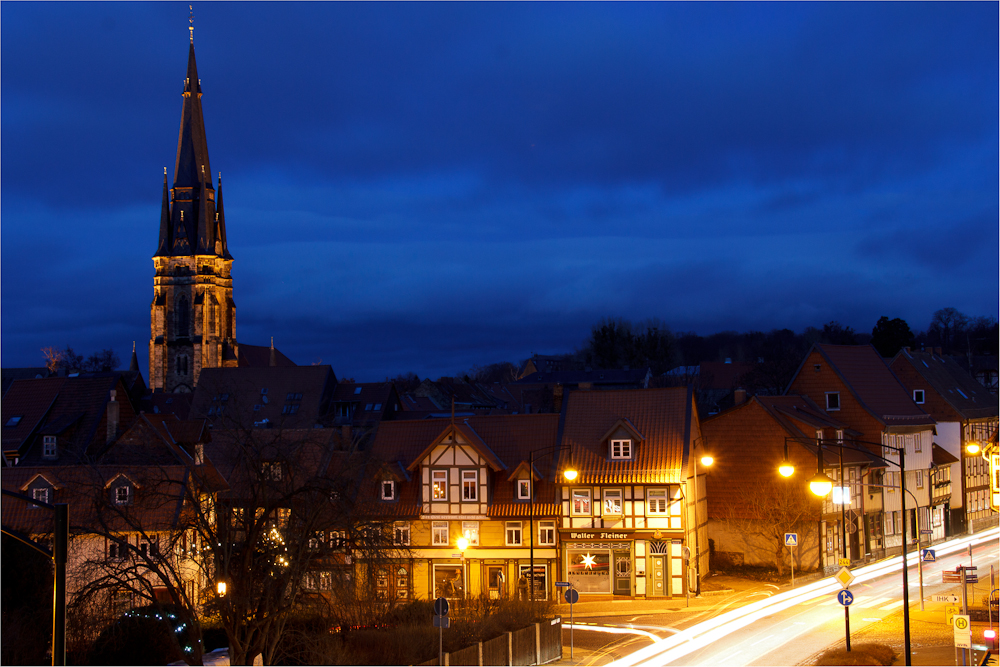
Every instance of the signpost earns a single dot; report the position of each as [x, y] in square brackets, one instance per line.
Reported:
[792, 540]
[845, 597]
[572, 597]
[963, 632]
[441, 621]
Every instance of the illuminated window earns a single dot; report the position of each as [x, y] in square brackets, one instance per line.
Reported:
[656, 501]
[439, 485]
[547, 533]
[470, 531]
[621, 449]
[612, 501]
[513, 534]
[581, 502]
[470, 485]
[439, 532]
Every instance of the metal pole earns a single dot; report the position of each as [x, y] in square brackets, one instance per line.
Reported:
[791, 560]
[843, 540]
[965, 607]
[572, 627]
[531, 526]
[920, 559]
[697, 542]
[906, 581]
[60, 543]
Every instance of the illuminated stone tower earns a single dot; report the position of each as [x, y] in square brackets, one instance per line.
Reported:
[193, 316]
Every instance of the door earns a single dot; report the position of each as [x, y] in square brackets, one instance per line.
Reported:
[658, 579]
[623, 572]
[495, 581]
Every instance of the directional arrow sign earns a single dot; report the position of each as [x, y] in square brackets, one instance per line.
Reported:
[844, 577]
[845, 597]
[953, 599]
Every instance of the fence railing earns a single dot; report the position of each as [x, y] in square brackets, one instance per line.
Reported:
[536, 644]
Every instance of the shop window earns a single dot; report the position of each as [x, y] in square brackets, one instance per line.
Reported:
[439, 484]
[581, 502]
[547, 533]
[470, 485]
[540, 580]
[439, 532]
[512, 531]
[612, 502]
[589, 570]
[449, 581]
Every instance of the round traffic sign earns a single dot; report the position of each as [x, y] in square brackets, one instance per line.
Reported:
[441, 607]
[961, 622]
[572, 596]
[845, 597]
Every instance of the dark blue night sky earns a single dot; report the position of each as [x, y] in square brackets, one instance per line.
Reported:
[424, 187]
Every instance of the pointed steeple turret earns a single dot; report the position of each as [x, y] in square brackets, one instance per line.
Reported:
[220, 223]
[164, 246]
[134, 364]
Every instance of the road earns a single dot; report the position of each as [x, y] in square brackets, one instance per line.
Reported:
[787, 628]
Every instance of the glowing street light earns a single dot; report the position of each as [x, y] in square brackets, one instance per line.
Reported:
[221, 588]
[820, 485]
[972, 447]
[786, 469]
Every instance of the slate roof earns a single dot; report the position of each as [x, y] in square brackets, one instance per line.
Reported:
[258, 356]
[160, 402]
[239, 390]
[873, 383]
[953, 383]
[664, 418]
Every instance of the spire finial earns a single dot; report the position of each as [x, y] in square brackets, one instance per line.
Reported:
[164, 171]
[191, 22]
[133, 347]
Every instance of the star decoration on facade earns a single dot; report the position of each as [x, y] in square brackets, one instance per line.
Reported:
[588, 561]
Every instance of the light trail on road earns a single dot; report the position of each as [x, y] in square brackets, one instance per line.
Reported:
[705, 633]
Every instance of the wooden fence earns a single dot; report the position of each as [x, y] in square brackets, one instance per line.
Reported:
[536, 644]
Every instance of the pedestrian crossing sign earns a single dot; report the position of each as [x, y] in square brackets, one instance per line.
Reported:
[791, 539]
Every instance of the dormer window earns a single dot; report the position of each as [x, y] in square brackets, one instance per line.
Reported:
[49, 447]
[41, 495]
[388, 490]
[123, 494]
[918, 396]
[271, 470]
[523, 489]
[621, 449]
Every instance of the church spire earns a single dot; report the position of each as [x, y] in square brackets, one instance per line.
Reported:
[164, 247]
[134, 364]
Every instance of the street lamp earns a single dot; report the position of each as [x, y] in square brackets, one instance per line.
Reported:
[821, 485]
[786, 469]
[706, 460]
[972, 447]
[569, 474]
[221, 588]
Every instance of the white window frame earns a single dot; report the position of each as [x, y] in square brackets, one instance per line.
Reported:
[470, 486]
[656, 502]
[919, 396]
[919, 474]
[470, 531]
[582, 494]
[608, 508]
[918, 443]
[523, 489]
[439, 482]
[41, 494]
[512, 534]
[388, 489]
[49, 449]
[439, 533]
[547, 533]
[621, 449]
[120, 498]
[828, 395]
[401, 533]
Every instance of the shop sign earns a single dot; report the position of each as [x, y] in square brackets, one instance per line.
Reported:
[599, 536]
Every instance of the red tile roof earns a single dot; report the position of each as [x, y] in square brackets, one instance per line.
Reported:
[664, 417]
[872, 382]
[952, 382]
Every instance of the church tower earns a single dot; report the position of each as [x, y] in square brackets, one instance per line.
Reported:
[193, 316]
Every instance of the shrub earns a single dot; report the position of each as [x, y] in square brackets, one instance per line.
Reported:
[862, 654]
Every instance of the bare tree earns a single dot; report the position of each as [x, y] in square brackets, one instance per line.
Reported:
[765, 511]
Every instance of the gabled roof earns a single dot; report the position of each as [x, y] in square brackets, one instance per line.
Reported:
[30, 400]
[952, 383]
[635, 377]
[468, 434]
[872, 383]
[259, 356]
[664, 416]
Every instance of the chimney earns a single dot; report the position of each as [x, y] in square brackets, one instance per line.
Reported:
[739, 397]
[557, 398]
[114, 410]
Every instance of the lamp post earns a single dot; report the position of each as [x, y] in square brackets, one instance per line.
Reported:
[569, 474]
[706, 460]
[820, 484]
